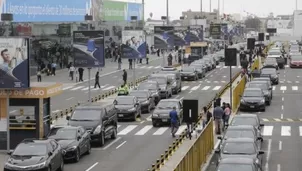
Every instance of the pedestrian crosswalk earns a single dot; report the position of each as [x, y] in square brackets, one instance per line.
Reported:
[200, 88]
[140, 130]
[283, 131]
[285, 88]
[86, 88]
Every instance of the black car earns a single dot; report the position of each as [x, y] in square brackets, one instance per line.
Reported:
[238, 164]
[247, 119]
[145, 98]
[75, 140]
[36, 155]
[152, 86]
[128, 107]
[274, 75]
[164, 85]
[201, 70]
[99, 120]
[265, 87]
[189, 73]
[174, 77]
[161, 113]
[271, 63]
[252, 99]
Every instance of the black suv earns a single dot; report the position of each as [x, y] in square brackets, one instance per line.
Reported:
[99, 120]
[33, 154]
[128, 107]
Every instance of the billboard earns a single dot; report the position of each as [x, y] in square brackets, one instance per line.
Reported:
[195, 34]
[88, 49]
[163, 37]
[215, 31]
[46, 10]
[14, 63]
[134, 44]
[114, 11]
[180, 34]
[134, 9]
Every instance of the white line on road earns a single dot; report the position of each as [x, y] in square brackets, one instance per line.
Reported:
[280, 145]
[91, 167]
[278, 167]
[127, 130]
[216, 88]
[282, 98]
[184, 88]
[70, 98]
[176, 97]
[13, 111]
[281, 116]
[190, 92]
[295, 88]
[283, 91]
[205, 88]
[160, 131]
[76, 88]
[120, 145]
[110, 144]
[268, 155]
[285, 131]
[144, 130]
[268, 130]
[300, 130]
[282, 107]
[195, 87]
[108, 88]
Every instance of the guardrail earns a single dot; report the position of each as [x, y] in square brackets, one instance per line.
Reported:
[103, 95]
[237, 93]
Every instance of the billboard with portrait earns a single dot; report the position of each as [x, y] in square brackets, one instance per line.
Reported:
[195, 34]
[88, 48]
[134, 44]
[163, 37]
[14, 63]
[180, 34]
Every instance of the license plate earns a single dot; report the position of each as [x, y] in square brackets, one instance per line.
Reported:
[165, 120]
[121, 115]
[186, 77]
[252, 106]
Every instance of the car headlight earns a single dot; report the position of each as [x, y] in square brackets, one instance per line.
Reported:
[257, 161]
[97, 130]
[262, 101]
[73, 147]
[132, 109]
[155, 115]
[242, 101]
[174, 84]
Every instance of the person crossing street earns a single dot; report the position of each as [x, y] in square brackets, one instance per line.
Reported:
[174, 121]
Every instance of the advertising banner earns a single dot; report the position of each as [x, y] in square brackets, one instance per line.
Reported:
[14, 63]
[195, 33]
[134, 9]
[180, 34]
[163, 37]
[215, 31]
[134, 44]
[46, 10]
[114, 11]
[88, 49]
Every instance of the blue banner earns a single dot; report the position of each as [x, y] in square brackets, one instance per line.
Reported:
[180, 34]
[14, 65]
[134, 9]
[134, 44]
[194, 34]
[163, 37]
[46, 10]
[88, 49]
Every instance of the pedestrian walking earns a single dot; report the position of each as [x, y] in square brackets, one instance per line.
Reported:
[53, 68]
[227, 114]
[125, 76]
[218, 114]
[174, 121]
[119, 63]
[71, 72]
[39, 76]
[81, 72]
[130, 63]
[97, 80]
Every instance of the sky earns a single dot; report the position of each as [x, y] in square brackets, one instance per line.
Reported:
[260, 8]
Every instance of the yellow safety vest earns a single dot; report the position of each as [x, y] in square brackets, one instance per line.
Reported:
[122, 90]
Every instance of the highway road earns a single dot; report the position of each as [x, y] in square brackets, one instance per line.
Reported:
[283, 125]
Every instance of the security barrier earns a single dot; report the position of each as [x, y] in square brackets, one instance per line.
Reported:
[237, 93]
[255, 64]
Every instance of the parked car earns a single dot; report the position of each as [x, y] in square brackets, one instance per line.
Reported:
[99, 120]
[296, 61]
[75, 140]
[247, 119]
[153, 87]
[128, 107]
[238, 164]
[274, 75]
[164, 85]
[270, 63]
[252, 99]
[174, 79]
[264, 86]
[36, 154]
[189, 73]
[201, 70]
[145, 98]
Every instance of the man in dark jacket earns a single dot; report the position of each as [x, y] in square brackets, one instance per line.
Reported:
[81, 71]
[125, 76]
[218, 114]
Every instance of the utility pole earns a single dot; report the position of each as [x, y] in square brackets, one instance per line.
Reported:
[167, 10]
[296, 4]
[201, 7]
[143, 13]
[210, 5]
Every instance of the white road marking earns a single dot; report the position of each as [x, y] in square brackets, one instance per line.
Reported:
[160, 131]
[205, 88]
[285, 130]
[66, 88]
[195, 87]
[289, 82]
[70, 98]
[184, 87]
[118, 126]
[120, 145]
[268, 130]
[181, 129]
[282, 107]
[190, 92]
[282, 98]
[108, 88]
[55, 111]
[91, 167]
[76, 88]
[295, 87]
[283, 88]
[142, 66]
[150, 67]
[266, 120]
[268, 155]
[280, 145]
[277, 119]
[216, 88]
[224, 76]
[274, 87]
[91, 87]
[281, 116]
[144, 130]
[149, 118]
[297, 81]
[127, 130]
[278, 167]
[111, 143]
[13, 111]
[157, 67]
[300, 131]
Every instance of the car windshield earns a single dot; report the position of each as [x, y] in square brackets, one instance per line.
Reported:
[167, 105]
[235, 167]
[244, 148]
[139, 94]
[268, 71]
[123, 101]
[160, 80]
[274, 53]
[240, 134]
[262, 86]
[196, 66]
[63, 133]
[296, 58]
[270, 61]
[30, 149]
[147, 86]
[87, 115]
[244, 121]
[252, 93]
[188, 69]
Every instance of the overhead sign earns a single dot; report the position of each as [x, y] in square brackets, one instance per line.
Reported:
[164, 37]
[114, 11]
[134, 44]
[14, 65]
[88, 48]
[215, 31]
[46, 10]
[180, 34]
[134, 9]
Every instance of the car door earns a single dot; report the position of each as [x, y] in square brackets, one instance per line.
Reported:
[105, 122]
[53, 158]
[81, 140]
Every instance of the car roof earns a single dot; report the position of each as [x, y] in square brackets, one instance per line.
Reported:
[261, 78]
[255, 89]
[237, 161]
[125, 97]
[158, 75]
[33, 140]
[238, 127]
[93, 105]
[64, 127]
[143, 91]
[169, 100]
[241, 140]
[258, 82]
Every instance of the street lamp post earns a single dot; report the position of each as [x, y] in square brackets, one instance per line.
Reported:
[88, 19]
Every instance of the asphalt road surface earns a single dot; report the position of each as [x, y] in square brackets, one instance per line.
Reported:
[283, 125]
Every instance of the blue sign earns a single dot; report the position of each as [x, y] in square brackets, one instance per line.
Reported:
[163, 37]
[46, 10]
[194, 34]
[134, 9]
[14, 65]
[134, 44]
[180, 34]
[88, 48]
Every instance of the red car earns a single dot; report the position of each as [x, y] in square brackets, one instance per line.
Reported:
[296, 61]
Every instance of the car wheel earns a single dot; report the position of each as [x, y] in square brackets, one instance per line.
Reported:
[114, 133]
[102, 140]
[61, 168]
[268, 103]
[77, 156]
[263, 110]
[88, 148]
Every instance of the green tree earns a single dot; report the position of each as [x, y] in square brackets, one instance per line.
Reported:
[253, 22]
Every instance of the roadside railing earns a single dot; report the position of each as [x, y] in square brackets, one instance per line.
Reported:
[237, 93]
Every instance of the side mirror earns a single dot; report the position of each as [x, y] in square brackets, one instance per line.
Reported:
[49, 153]
[261, 152]
[68, 118]
[219, 137]
[261, 125]
[9, 153]
[79, 138]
